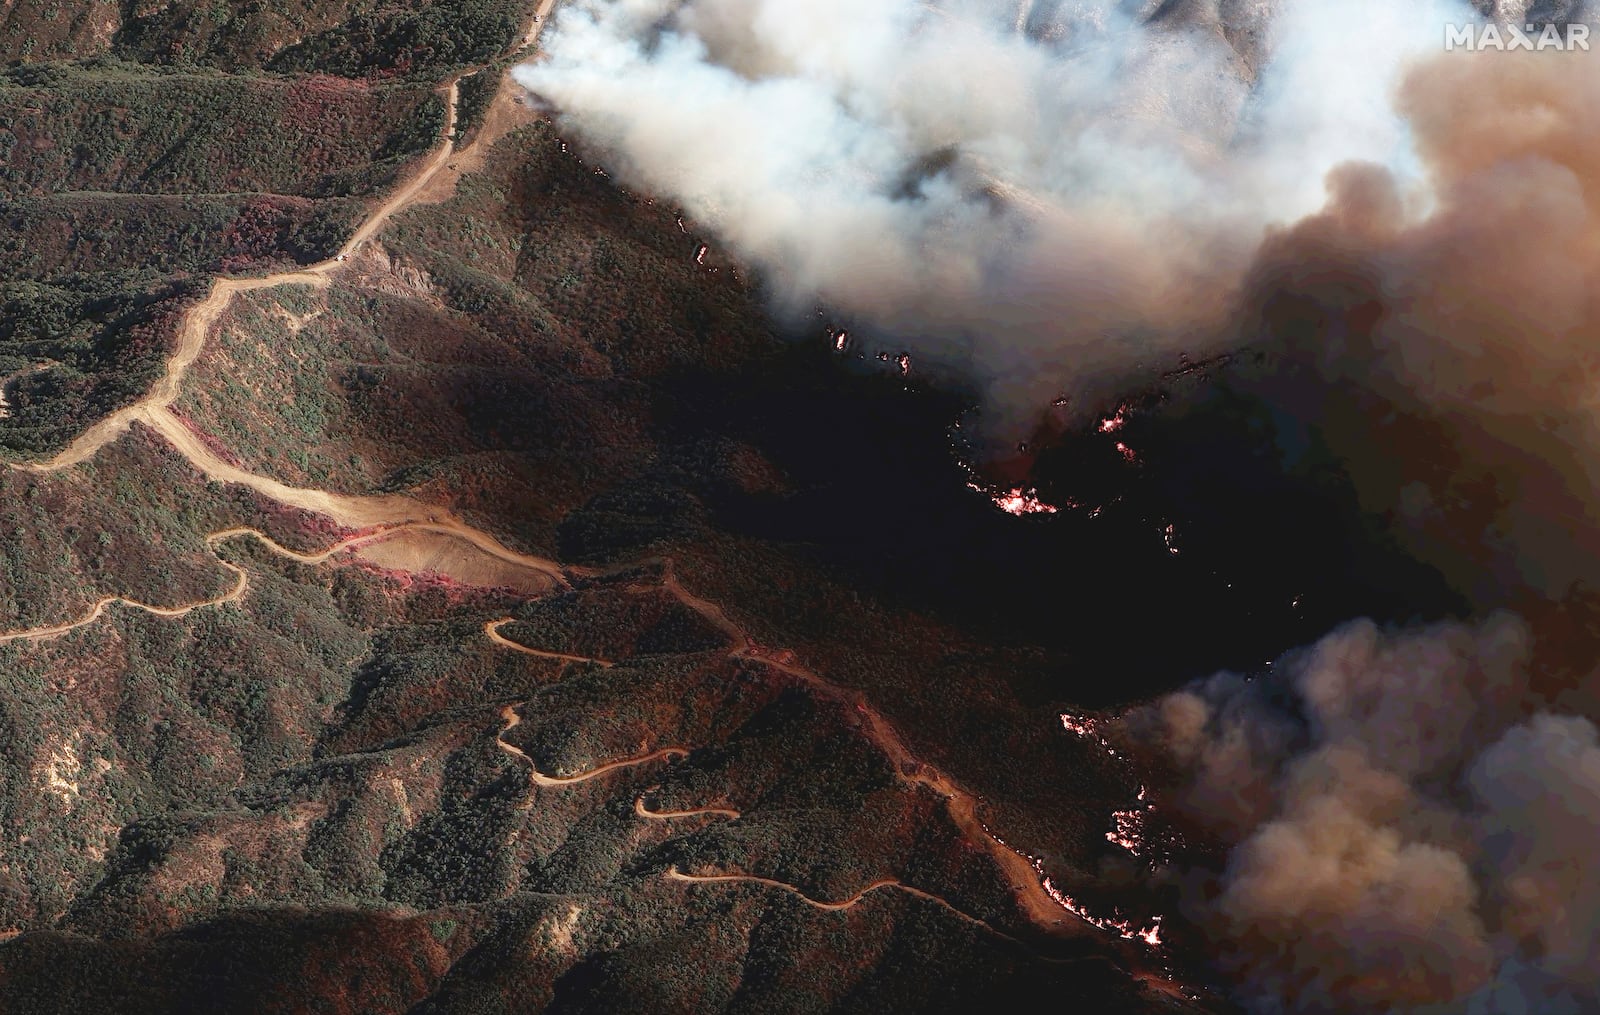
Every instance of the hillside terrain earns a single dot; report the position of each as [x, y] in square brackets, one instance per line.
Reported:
[431, 582]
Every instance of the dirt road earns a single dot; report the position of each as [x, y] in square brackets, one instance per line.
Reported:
[1036, 900]
[492, 629]
[240, 585]
[674, 874]
[718, 812]
[198, 322]
[513, 720]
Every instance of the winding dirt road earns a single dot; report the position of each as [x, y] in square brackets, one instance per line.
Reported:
[241, 583]
[492, 629]
[240, 586]
[154, 409]
[513, 720]
[192, 332]
[1035, 899]
[674, 874]
[719, 812]
[349, 511]
[407, 192]
[202, 317]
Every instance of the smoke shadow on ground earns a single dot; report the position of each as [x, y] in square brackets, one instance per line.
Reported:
[1272, 545]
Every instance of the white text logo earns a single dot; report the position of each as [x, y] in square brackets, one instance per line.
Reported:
[1511, 38]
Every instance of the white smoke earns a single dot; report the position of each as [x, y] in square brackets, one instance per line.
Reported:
[1048, 195]
[1406, 831]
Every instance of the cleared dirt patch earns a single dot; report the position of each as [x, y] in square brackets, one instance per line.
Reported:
[423, 550]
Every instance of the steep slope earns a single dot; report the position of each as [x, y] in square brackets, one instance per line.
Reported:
[415, 637]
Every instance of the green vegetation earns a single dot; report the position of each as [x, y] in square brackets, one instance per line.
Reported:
[427, 39]
[132, 523]
[126, 184]
[75, 349]
[40, 30]
[63, 239]
[95, 286]
[121, 128]
[476, 92]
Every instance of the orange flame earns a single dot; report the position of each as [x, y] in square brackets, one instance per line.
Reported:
[1017, 501]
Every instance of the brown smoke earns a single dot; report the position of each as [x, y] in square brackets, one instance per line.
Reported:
[1453, 346]
[1408, 828]
[1402, 833]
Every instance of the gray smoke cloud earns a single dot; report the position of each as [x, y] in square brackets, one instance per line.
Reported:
[1050, 196]
[1406, 830]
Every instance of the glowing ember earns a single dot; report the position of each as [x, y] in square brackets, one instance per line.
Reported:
[1016, 501]
[1126, 929]
[1116, 421]
[1129, 831]
[904, 362]
[840, 338]
[1127, 453]
[1150, 935]
[700, 254]
[1087, 728]
[1082, 726]
[1169, 535]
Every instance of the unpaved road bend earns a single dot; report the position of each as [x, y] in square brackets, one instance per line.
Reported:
[513, 720]
[192, 332]
[719, 812]
[240, 586]
[1035, 900]
[674, 874]
[492, 629]
[241, 583]
[349, 511]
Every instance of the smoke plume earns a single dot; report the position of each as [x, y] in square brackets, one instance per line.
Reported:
[1049, 196]
[1407, 831]
[1471, 319]
[1061, 197]
[1411, 826]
